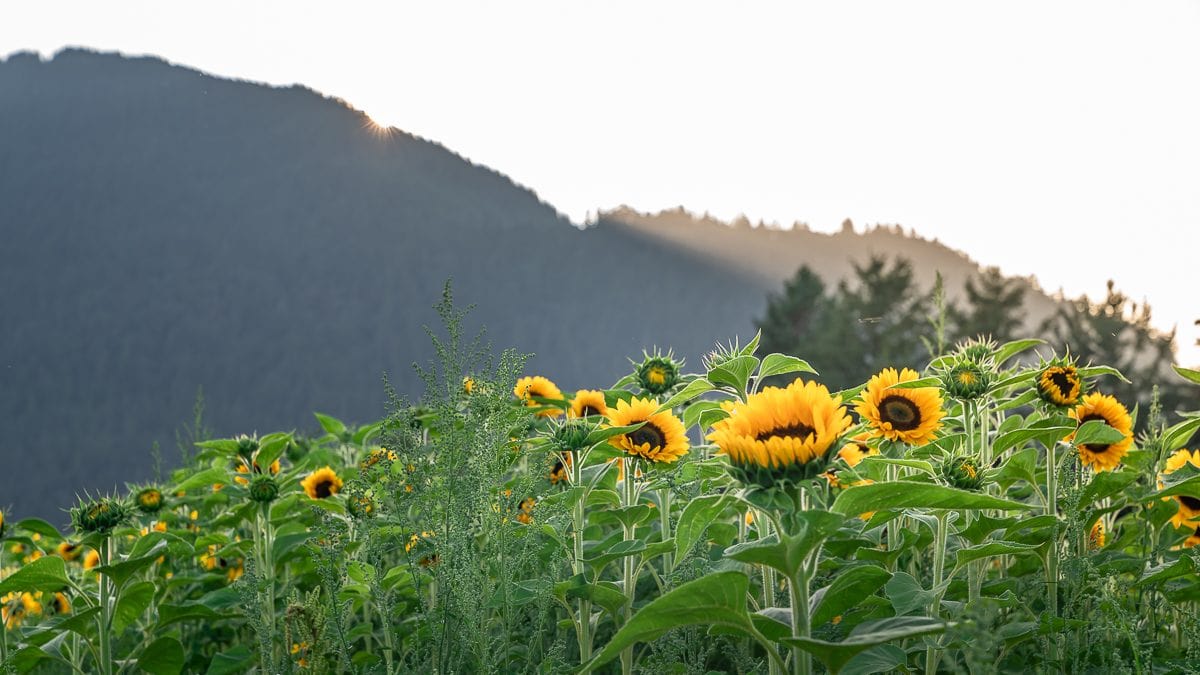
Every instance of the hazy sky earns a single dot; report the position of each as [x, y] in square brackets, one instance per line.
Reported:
[1060, 139]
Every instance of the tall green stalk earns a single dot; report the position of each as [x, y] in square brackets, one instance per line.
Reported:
[800, 591]
[629, 573]
[664, 520]
[932, 655]
[107, 600]
[579, 522]
[1052, 553]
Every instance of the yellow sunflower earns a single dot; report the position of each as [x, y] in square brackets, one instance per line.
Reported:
[322, 483]
[588, 402]
[661, 439]
[15, 608]
[1188, 514]
[91, 559]
[60, 604]
[1192, 540]
[68, 551]
[525, 516]
[1060, 385]
[776, 432]
[1096, 535]
[1097, 406]
[559, 474]
[468, 385]
[530, 387]
[243, 469]
[910, 416]
[856, 450]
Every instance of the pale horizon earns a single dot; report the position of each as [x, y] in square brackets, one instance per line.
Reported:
[1051, 141]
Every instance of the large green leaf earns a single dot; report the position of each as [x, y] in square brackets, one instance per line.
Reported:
[1017, 437]
[1190, 487]
[1011, 349]
[135, 599]
[779, 364]
[847, 590]
[787, 552]
[47, 574]
[39, 526]
[992, 548]
[164, 656]
[835, 655]
[907, 594]
[697, 515]
[1167, 571]
[605, 594]
[169, 614]
[1097, 432]
[1188, 374]
[206, 479]
[734, 373]
[717, 599]
[1178, 435]
[236, 660]
[911, 495]
[691, 391]
[1106, 484]
[122, 571]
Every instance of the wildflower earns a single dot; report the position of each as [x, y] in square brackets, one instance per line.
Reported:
[588, 402]
[1103, 456]
[911, 416]
[468, 385]
[1059, 384]
[662, 438]
[781, 434]
[378, 455]
[657, 374]
[322, 483]
[525, 517]
[530, 388]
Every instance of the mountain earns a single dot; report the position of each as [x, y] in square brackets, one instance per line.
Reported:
[167, 231]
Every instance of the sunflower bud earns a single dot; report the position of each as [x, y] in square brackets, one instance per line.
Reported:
[966, 381]
[100, 515]
[264, 489]
[149, 500]
[977, 350]
[572, 435]
[296, 450]
[247, 446]
[963, 473]
[657, 374]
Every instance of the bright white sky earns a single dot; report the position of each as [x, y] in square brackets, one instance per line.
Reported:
[1060, 139]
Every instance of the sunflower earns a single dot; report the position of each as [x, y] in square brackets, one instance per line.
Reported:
[1192, 540]
[657, 374]
[559, 474]
[378, 455]
[60, 604]
[530, 388]
[525, 517]
[856, 450]
[588, 402]
[776, 433]
[68, 551]
[966, 381]
[243, 469]
[1189, 506]
[468, 385]
[1097, 406]
[1060, 385]
[91, 559]
[1096, 535]
[661, 439]
[322, 483]
[15, 608]
[910, 416]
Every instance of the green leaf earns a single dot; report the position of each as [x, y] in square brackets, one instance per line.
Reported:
[1097, 432]
[697, 515]
[605, 594]
[604, 433]
[906, 593]
[717, 599]
[1095, 371]
[752, 345]
[205, 479]
[1045, 435]
[992, 548]
[1190, 487]
[1188, 374]
[878, 659]
[1178, 435]
[134, 601]
[693, 413]
[691, 391]
[835, 655]
[47, 574]
[734, 373]
[1106, 484]
[1167, 571]
[1011, 349]
[779, 364]
[620, 549]
[164, 656]
[270, 448]
[786, 554]
[847, 590]
[330, 424]
[236, 660]
[918, 464]
[124, 570]
[912, 495]
[169, 614]
[39, 526]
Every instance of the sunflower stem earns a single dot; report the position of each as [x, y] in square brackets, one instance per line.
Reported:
[1052, 553]
[584, 624]
[107, 599]
[3, 628]
[629, 575]
[664, 505]
[932, 655]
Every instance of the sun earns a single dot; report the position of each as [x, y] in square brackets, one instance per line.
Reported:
[377, 129]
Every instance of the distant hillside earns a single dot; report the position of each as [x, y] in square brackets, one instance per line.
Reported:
[165, 230]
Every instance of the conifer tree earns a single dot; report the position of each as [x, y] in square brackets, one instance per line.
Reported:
[992, 309]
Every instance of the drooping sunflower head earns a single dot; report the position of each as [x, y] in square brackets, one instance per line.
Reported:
[1097, 406]
[1059, 383]
[322, 483]
[658, 373]
[781, 435]
[531, 389]
[148, 500]
[68, 551]
[1189, 505]
[588, 403]
[856, 449]
[910, 416]
[99, 515]
[661, 438]
[966, 381]
[963, 473]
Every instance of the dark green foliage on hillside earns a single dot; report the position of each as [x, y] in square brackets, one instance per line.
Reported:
[993, 307]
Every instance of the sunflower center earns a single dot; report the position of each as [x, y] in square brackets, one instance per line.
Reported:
[1190, 502]
[323, 489]
[1063, 383]
[966, 377]
[903, 414]
[657, 376]
[648, 435]
[798, 430]
[588, 411]
[1095, 447]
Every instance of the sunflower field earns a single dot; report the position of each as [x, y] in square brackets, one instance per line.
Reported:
[996, 512]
